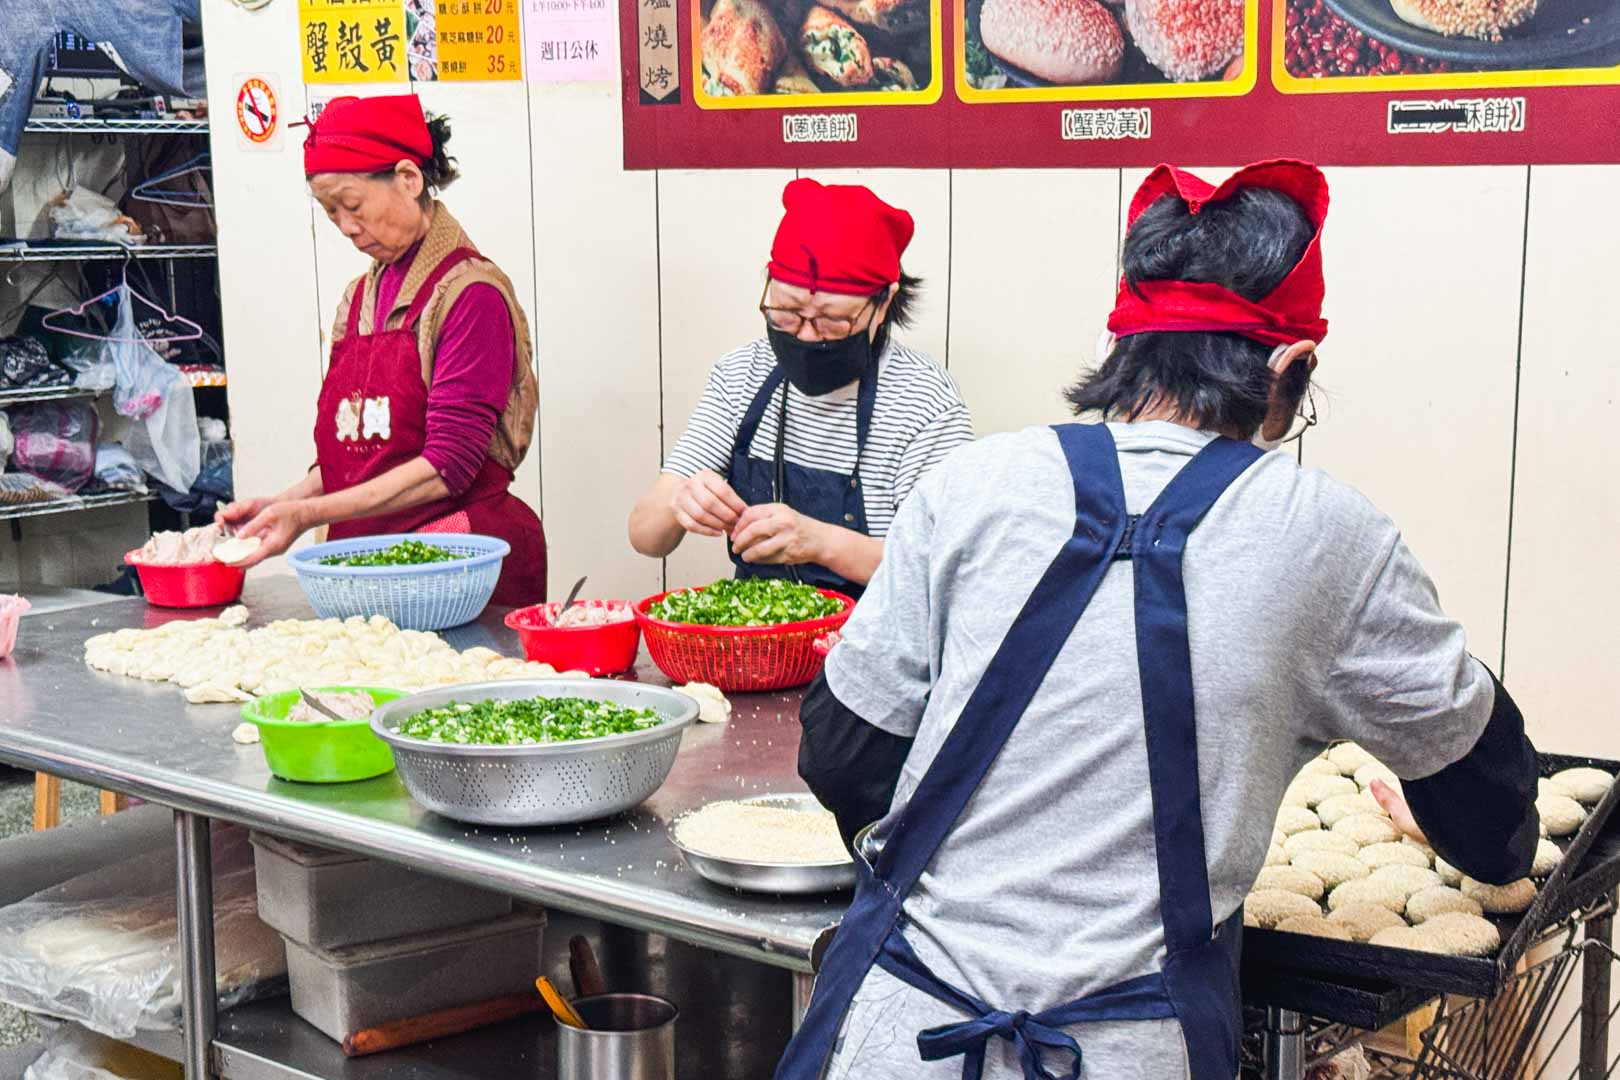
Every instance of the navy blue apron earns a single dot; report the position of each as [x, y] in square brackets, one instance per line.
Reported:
[825, 495]
[1198, 985]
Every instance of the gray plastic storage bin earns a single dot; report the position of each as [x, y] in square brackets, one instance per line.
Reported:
[342, 991]
[328, 899]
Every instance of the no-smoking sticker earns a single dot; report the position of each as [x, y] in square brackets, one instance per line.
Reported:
[258, 113]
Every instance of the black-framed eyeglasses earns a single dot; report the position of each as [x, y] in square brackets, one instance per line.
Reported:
[827, 327]
[1307, 413]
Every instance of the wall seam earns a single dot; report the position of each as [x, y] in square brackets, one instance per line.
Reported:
[950, 257]
[1513, 458]
[534, 301]
[658, 296]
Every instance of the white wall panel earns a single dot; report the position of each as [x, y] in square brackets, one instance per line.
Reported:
[1423, 271]
[714, 239]
[1032, 282]
[1562, 639]
[597, 333]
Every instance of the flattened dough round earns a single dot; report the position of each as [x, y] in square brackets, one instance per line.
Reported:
[1368, 891]
[1318, 788]
[1366, 829]
[1449, 875]
[1501, 899]
[1296, 819]
[1320, 766]
[1410, 879]
[1584, 785]
[1548, 856]
[1315, 926]
[1376, 855]
[1276, 856]
[1334, 868]
[1268, 907]
[1439, 900]
[1349, 757]
[1363, 920]
[1560, 814]
[1334, 810]
[1319, 840]
[1292, 879]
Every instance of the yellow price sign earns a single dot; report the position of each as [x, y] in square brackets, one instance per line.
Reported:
[480, 40]
[352, 41]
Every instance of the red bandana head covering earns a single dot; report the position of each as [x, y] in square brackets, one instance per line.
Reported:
[1291, 312]
[367, 135]
[838, 239]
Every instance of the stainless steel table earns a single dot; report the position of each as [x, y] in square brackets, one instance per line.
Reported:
[143, 739]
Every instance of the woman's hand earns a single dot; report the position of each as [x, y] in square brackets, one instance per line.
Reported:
[236, 514]
[277, 526]
[705, 504]
[777, 534]
[1394, 805]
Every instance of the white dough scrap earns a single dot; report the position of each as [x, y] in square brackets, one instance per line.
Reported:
[1584, 785]
[713, 705]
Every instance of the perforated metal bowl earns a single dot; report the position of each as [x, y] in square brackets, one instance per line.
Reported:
[550, 784]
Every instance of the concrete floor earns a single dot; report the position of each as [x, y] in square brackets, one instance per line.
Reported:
[17, 816]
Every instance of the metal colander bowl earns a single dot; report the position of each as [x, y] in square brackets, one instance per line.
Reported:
[549, 784]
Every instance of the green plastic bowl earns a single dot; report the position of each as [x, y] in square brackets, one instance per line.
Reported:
[323, 753]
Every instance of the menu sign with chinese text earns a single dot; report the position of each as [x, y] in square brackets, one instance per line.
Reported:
[572, 40]
[479, 40]
[352, 41]
[1111, 83]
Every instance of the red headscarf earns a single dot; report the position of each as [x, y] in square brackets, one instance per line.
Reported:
[1291, 312]
[838, 239]
[367, 135]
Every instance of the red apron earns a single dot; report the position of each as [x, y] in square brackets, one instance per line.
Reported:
[372, 417]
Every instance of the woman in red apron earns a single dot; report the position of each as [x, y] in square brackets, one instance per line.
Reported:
[429, 401]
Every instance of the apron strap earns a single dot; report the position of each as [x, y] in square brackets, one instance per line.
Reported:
[362, 296]
[1165, 664]
[756, 412]
[424, 292]
[1020, 664]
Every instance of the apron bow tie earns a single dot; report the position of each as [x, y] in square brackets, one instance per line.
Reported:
[1028, 1033]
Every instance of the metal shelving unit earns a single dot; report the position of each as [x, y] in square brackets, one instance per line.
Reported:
[63, 251]
[90, 125]
[49, 393]
[41, 507]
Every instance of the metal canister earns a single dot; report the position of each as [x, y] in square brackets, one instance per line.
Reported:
[627, 1037]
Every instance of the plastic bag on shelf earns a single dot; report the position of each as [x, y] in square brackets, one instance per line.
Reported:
[82, 214]
[213, 485]
[103, 949]
[92, 366]
[166, 443]
[56, 441]
[116, 468]
[72, 1053]
[7, 442]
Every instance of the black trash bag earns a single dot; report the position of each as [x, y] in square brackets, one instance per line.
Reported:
[25, 364]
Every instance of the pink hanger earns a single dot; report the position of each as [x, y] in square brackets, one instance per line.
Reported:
[194, 331]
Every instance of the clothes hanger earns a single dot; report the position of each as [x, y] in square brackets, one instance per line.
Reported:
[194, 331]
[149, 190]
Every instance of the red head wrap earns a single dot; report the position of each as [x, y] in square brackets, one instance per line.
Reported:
[838, 239]
[367, 135]
[1291, 312]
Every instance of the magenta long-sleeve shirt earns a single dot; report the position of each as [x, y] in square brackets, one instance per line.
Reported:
[472, 377]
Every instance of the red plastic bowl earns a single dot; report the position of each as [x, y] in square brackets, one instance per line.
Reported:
[599, 650]
[740, 658]
[188, 585]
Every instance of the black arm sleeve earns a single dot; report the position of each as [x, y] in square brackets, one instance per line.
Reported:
[1479, 812]
[850, 765]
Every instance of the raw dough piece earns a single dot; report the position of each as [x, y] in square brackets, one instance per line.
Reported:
[1275, 856]
[1410, 879]
[1363, 920]
[1366, 829]
[1336, 809]
[1319, 840]
[1463, 934]
[1376, 770]
[1584, 785]
[237, 548]
[1349, 757]
[1501, 899]
[1294, 795]
[1333, 868]
[1406, 937]
[1376, 855]
[1318, 788]
[1560, 814]
[1368, 891]
[1439, 900]
[1296, 819]
[1268, 907]
[246, 733]
[713, 707]
[1548, 856]
[1290, 879]
[1315, 926]
[1320, 766]
[1449, 875]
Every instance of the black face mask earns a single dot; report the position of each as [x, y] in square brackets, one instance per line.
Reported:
[815, 368]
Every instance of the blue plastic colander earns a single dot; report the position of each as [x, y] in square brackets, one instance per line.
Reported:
[431, 596]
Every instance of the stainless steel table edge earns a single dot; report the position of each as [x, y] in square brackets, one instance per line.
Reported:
[586, 896]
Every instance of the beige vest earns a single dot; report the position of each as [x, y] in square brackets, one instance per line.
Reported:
[515, 431]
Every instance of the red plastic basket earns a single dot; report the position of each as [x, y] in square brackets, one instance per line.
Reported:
[598, 650]
[188, 585]
[739, 658]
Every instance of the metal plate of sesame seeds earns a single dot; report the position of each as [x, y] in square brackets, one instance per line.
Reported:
[1562, 33]
[764, 877]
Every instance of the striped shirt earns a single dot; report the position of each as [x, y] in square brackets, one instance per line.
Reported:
[919, 418]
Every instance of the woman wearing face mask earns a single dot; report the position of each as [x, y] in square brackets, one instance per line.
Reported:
[807, 441]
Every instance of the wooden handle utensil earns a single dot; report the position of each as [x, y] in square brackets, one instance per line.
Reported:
[438, 1025]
